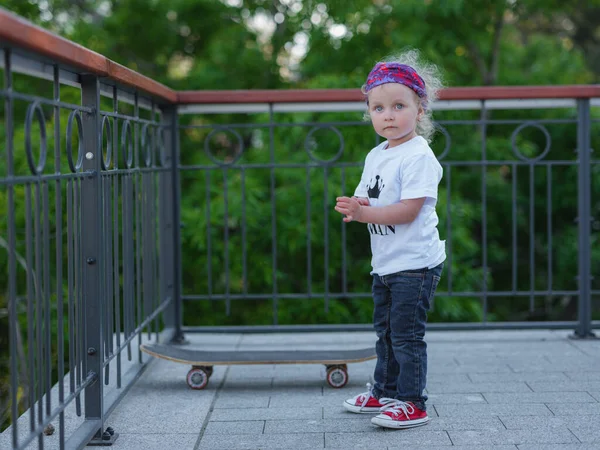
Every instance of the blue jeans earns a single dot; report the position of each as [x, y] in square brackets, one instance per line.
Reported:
[402, 301]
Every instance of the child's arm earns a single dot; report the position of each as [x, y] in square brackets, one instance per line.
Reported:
[399, 213]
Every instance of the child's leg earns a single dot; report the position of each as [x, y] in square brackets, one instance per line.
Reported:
[386, 367]
[412, 292]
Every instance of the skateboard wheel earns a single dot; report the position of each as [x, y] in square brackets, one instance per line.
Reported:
[197, 378]
[337, 376]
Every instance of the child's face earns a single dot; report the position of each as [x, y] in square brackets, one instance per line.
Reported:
[394, 109]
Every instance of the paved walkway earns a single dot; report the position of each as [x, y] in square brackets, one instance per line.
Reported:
[498, 390]
[526, 390]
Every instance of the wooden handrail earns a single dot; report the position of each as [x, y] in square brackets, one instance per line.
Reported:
[22, 33]
[354, 95]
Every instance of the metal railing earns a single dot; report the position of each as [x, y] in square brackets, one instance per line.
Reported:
[506, 153]
[99, 163]
[87, 194]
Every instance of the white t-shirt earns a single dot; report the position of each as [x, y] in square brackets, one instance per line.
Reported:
[409, 170]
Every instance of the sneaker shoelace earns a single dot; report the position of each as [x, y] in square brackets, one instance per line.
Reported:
[396, 407]
[366, 395]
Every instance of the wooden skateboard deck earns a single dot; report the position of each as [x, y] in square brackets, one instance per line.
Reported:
[202, 361]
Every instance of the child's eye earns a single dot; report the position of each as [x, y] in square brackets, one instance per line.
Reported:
[399, 106]
[378, 108]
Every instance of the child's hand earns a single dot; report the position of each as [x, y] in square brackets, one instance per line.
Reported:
[362, 201]
[350, 207]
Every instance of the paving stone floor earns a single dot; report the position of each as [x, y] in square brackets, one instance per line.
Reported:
[526, 390]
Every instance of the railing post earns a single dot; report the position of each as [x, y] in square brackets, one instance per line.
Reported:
[91, 252]
[584, 216]
[170, 240]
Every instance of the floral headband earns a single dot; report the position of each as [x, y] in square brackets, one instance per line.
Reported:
[397, 73]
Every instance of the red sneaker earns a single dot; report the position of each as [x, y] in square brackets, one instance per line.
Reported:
[365, 402]
[398, 414]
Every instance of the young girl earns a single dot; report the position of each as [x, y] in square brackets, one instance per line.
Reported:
[396, 198]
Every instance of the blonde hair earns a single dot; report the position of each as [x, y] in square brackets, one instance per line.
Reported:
[433, 84]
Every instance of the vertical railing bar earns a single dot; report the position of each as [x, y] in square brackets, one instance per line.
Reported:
[30, 305]
[244, 234]
[47, 289]
[12, 265]
[71, 287]
[128, 252]
[326, 234]
[140, 242]
[39, 304]
[549, 219]
[448, 171]
[515, 262]
[584, 216]
[208, 234]
[147, 249]
[308, 235]
[116, 240]
[273, 213]
[79, 331]
[59, 262]
[226, 239]
[108, 263]
[531, 237]
[344, 241]
[484, 113]
[92, 258]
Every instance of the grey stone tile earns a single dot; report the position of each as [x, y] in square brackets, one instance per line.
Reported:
[302, 401]
[465, 423]
[584, 375]
[448, 378]
[386, 437]
[522, 376]
[561, 409]
[243, 400]
[470, 368]
[456, 447]
[588, 433]
[240, 427]
[232, 415]
[596, 395]
[474, 388]
[540, 397]
[561, 365]
[263, 441]
[526, 409]
[153, 441]
[516, 437]
[356, 424]
[442, 399]
[559, 447]
[568, 421]
[565, 386]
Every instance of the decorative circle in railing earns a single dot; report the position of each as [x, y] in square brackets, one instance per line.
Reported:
[160, 145]
[515, 149]
[147, 146]
[238, 152]
[75, 116]
[106, 125]
[127, 144]
[36, 109]
[448, 140]
[310, 142]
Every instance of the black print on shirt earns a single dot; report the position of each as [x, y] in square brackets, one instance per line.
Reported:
[373, 192]
[382, 230]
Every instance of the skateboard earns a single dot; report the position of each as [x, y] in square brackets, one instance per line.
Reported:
[202, 361]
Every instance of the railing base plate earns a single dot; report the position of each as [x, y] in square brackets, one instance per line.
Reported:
[107, 439]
